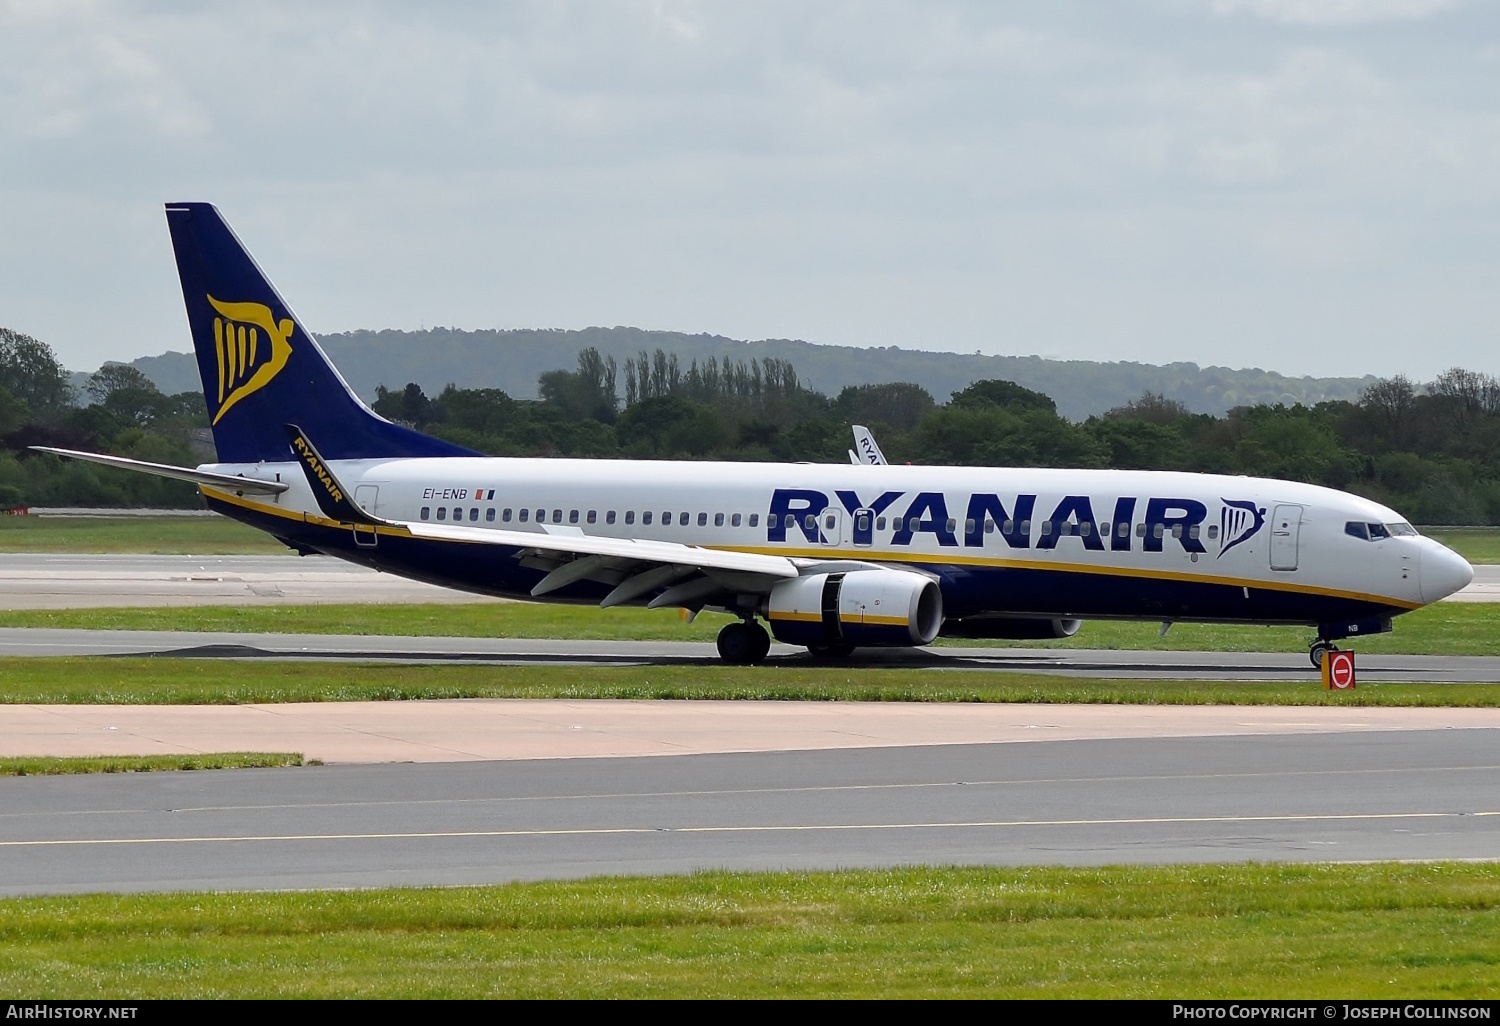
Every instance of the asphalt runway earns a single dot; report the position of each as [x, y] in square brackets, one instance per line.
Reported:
[62, 581]
[1320, 797]
[1095, 663]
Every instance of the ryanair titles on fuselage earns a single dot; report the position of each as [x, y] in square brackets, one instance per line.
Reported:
[1175, 519]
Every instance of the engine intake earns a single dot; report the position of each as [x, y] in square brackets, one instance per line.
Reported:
[890, 608]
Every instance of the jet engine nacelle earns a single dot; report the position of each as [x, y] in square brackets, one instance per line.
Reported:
[860, 607]
[1011, 628]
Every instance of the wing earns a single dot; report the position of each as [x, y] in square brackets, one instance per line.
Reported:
[685, 575]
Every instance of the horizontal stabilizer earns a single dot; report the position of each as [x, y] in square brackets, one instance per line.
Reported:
[244, 485]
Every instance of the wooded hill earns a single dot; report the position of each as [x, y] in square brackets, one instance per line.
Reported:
[512, 361]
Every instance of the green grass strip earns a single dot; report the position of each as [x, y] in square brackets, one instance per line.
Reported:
[134, 681]
[1447, 628]
[201, 536]
[51, 767]
[1242, 931]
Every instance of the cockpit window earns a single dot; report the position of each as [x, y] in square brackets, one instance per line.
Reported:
[1378, 532]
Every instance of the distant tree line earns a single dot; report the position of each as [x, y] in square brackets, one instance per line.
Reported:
[1431, 451]
[120, 411]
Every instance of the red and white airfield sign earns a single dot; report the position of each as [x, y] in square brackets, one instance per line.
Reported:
[1338, 671]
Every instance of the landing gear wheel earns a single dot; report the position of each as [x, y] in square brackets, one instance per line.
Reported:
[762, 641]
[736, 644]
[1316, 650]
[838, 651]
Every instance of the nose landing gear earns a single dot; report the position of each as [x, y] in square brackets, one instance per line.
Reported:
[1315, 652]
[744, 643]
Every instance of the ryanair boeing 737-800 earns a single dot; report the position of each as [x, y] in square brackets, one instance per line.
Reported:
[831, 557]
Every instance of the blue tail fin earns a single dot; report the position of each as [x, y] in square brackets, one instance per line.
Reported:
[260, 367]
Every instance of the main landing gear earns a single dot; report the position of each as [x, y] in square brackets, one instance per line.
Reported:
[744, 643]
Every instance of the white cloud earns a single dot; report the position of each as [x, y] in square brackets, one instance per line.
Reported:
[1336, 12]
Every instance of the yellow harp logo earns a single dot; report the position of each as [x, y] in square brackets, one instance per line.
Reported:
[248, 362]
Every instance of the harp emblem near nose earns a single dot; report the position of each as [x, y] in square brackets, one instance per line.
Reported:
[252, 347]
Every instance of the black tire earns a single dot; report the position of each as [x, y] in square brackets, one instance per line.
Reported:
[1315, 653]
[737, 644]
[762, 642]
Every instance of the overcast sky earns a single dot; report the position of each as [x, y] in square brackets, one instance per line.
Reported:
[1311, 186]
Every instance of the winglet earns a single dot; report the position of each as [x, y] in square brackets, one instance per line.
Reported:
[333, 498]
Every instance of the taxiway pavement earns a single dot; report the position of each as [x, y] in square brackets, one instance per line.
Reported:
[1097, 663]
[1408, 794]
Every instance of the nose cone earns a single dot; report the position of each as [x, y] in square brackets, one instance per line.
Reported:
[1442, 572]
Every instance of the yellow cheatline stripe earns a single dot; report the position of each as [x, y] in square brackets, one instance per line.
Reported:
[799, 617]
[778, 828]
[924, 559]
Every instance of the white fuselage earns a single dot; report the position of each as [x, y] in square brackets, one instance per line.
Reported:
[1123, 528]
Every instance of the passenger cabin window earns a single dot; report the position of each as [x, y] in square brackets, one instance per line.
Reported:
[1140, 530]
[719, 519]
[1086, 528]
[1046, 528]
[734, 520]
[770, 520]
[755, 517]
[609, 517]
[541, 516]
[524, 514]
[442, 512]
[1157, 531]
[989, 525]
[703, 519]
[810, 523]
[593, 516]
[829, 521]
[426, 512]
[572, 516]
[1176, 530]
[646, 518]
[1193, 531]
[914, 525]
[682, 519]
[489, 515]
[1213, 531]
[505, 514]
[557, 516]
[630, 516]
[952, 525]
[1123, 531]
[880, 523]
[666, 520]
[474, 513]
[1357, 530]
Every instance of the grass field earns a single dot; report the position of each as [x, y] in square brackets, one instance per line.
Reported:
[1447, 628]
[1314, 931]
[200, 536]
[27, 680]
[52, 767]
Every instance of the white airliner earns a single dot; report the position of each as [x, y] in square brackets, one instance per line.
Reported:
[832, 557]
